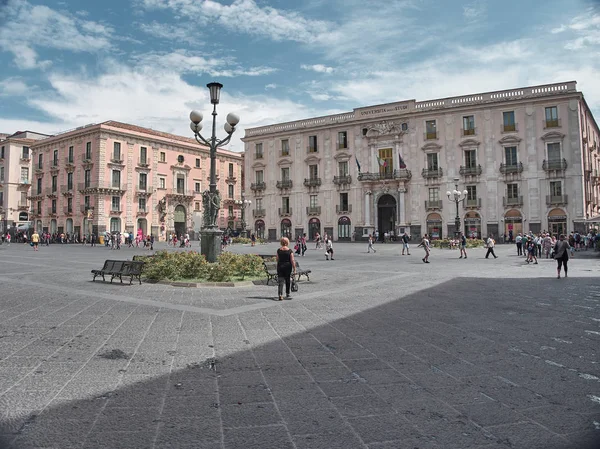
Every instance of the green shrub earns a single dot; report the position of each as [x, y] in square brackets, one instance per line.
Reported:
[175, 266]
[242, 240]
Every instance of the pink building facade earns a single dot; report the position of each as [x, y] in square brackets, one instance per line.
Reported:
[116, 177]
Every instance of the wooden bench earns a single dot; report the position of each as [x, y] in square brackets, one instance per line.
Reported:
[118, 269]
[271, 270]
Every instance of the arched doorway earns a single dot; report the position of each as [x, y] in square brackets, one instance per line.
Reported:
[69, 226]
[53, 226]
[472, 225]
[344, 225]
[314, 227]
[179, 217]
[38, 226]
[434, 226]
[557, 222]
[115, 224]
[142, 224]
[513, 222]
[286, 228]
[386, 215]
[259, 229]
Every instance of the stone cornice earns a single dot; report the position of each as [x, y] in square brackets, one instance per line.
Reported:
[509, 139]
[469, 143]
[285, 162]
[431, 147]
[553, 135]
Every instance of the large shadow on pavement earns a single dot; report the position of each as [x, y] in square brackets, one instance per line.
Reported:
[471, 363]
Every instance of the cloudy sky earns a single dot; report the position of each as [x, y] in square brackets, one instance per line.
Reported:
[68, 63]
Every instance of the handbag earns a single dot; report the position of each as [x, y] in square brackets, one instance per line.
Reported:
[294, 286]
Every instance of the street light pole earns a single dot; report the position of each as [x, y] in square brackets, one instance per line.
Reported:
[243, 203]
[456, 196]
[210, 234]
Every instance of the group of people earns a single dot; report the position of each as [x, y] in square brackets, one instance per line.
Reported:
[183, 240]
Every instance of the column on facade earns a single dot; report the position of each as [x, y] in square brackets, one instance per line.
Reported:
[401, 206]
[368, 208]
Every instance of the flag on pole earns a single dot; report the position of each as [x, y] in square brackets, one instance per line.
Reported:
[402, 164]
[357, 164]
[380, 161]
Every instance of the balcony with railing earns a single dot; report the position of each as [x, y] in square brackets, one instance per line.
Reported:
[509, 128]
[431, 135]
[312, 149]
[39, 168]
[23, 205]
[475, 170]
[342, 180]
[51, 212]
[67, 210]
[231, 179]
[258, 155]
[343, 208]
[506, 169]
[143, 162]
[96, 187]
[554, 164]
[401, 173]
[512, 201]
[432, 173]
[556, 200]
[468, 132]
[472, 203]
[312, 182]
[116, 159]
[285, 212]
[180, 192]
[25, 159]
[315, 210]
[433, 205]
[67, 189]
[284, 184]
[54, 165]
[257, 186]
[86, 159]
[84, 209]
[24, 184]
[259, 213]
[142, 190]
[552, 123]
[51, 192]
[142, 211]
[70, 160]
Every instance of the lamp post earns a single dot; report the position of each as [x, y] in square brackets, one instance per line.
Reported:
[456, 196]
[243, 203]
[210, 234]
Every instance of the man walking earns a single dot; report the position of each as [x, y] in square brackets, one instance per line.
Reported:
[463, 245]
[490, 246]
[370, 247]
[519, 241]
[405, 244]
[35, 239]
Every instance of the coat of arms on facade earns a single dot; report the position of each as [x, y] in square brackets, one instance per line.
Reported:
[385, 127]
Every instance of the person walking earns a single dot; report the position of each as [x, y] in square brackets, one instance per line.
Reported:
[532, 251]
[463, 245]
[370, 247]
[303, 244]
[561, 254]
[35, 239]
[519, 242]
[427, 247]
[253, 239]
[491, 243]
[286, 266]
[328, 249]
[8, 237]
[405, 246]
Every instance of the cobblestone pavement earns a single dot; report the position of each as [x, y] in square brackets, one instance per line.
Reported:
[376, 351]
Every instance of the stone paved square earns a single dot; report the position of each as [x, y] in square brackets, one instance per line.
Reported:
[376, 351]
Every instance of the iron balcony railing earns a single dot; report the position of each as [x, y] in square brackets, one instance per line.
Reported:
[284, 184]
[69, 160]
[259, 213]
[401, 173]
[258, 186]
[472, 203]
[468, 131]
[471, 170]
[511, 168]
[285, 212]
[51, 211]
[432, 173]
[552, 200]
[315, 210]
[312, 149]
[431, 135]
[552, 123]
[513, 201]
[67, 210]
[509, 128]
[343, 209]
[258, 155]
[341, 180]
[434, 204]
[554, 164]
[312, 182]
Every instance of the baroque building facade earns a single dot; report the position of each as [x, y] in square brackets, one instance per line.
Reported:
[119, 177]
[15, 178]
[528, 159]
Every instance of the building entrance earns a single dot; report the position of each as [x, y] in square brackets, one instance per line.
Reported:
[386, 214]
[179, 218]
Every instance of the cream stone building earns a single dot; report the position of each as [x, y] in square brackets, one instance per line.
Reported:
[528, 159]
[15, 178]
[118, 177]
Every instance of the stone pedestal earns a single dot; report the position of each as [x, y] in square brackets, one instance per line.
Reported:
[210, 243]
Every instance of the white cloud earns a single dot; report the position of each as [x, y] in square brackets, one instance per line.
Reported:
[271, 86]
[184, 32]
[13, 87]
[474, 11]
[584, 30]
[28, 27]
[319, 68]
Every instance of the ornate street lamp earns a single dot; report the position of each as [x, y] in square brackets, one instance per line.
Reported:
[210, 234]
[243, 203]
[456, 196]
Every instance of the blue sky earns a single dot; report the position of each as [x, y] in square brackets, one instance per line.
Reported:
[66, 63]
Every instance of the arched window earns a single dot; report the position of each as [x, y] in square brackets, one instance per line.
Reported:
[259, 229]
[344, 231]
[115, 224]
[286, 228]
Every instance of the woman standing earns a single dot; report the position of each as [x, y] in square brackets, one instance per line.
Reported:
[561, 254]
[286, 265]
